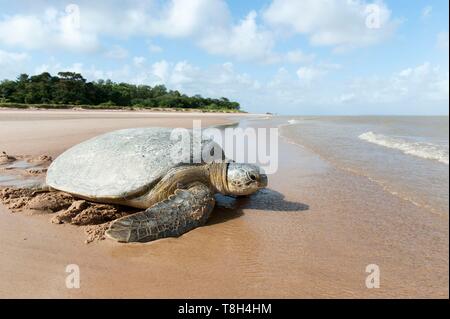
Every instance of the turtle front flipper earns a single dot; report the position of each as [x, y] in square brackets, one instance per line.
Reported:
[183, 211]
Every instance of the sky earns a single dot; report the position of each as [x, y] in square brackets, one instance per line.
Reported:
[305, 57]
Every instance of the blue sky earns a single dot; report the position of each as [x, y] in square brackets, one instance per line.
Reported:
[281, 56]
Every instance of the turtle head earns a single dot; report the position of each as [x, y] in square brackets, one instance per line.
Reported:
[244, 179]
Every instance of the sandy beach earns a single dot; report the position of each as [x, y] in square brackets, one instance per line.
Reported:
[310, 234]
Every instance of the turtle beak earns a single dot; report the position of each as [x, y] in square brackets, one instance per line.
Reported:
[263, 181]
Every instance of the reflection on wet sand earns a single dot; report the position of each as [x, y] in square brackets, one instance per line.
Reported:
[21, 172]
[272, 201]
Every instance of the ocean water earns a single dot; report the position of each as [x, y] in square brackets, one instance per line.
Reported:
[407, 156]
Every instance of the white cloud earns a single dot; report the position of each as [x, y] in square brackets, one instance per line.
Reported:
[175, 18]
[426, 12]
[160, 69]
[217, 80]
[182, 73]
[246, 40]
[12, 57]
[139, 60]
[117, 52]
[342, 24]
[285, 90]
[207, 22]
[422, 89]
[423, 83]
[69, 33]
[26, 31]
[309, 74]
[185, 18]
[12, 64]
[78, 27]
[47, 31]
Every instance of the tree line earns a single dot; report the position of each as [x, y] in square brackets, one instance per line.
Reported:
[70, 88]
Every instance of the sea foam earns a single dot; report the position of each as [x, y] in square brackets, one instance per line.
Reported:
[419, 149]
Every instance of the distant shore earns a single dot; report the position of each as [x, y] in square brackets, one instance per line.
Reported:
[71, 89]
[18, 106]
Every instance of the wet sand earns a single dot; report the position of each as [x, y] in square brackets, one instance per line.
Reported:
[311, 234]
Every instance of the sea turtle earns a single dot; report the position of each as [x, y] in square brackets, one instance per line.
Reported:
[139, 168]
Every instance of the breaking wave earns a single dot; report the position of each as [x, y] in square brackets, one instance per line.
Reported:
[419, 149]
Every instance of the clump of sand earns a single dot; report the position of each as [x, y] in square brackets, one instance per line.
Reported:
[5, 158]
[15, 199]
[65, 209]
[95, 218]
[41, 159]
[36, 171]
[84, 213]
[96, 232]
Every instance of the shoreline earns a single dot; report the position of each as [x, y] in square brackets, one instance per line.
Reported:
[129, 111]
[310, 234]
[385, 184]
[347, 170]
[142, 110]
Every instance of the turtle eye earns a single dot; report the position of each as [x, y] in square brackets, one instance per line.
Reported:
[253, 177]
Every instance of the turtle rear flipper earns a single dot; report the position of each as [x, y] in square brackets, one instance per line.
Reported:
[183, 211]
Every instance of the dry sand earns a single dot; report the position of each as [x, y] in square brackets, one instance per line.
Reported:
[310, 234]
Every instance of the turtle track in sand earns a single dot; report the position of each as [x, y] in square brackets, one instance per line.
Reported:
[62, 207]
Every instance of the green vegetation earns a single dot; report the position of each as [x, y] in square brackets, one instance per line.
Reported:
[69, 89]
